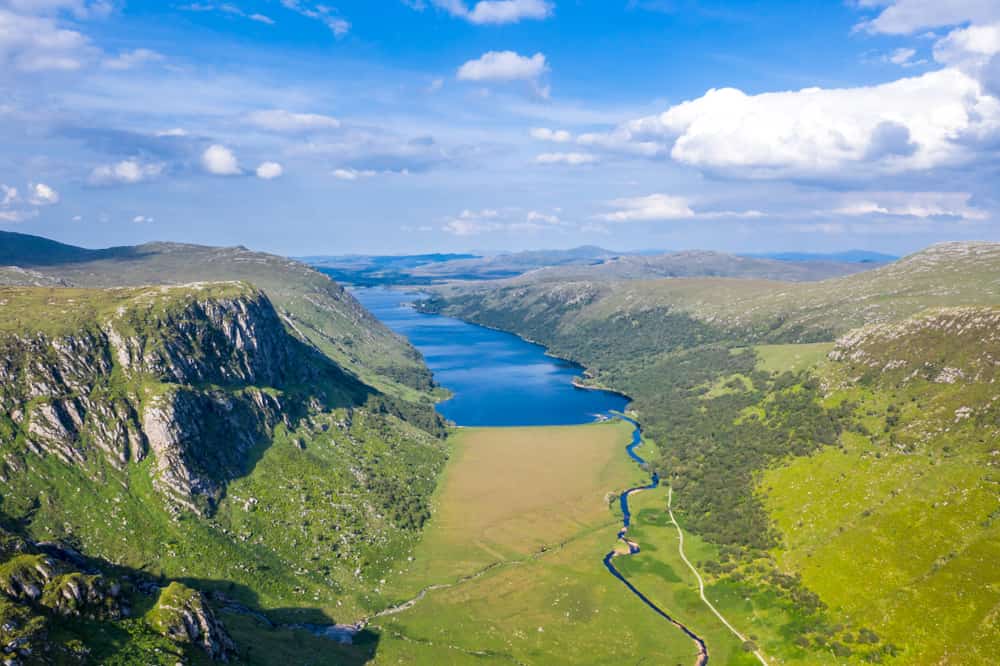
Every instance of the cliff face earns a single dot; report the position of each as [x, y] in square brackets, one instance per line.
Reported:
[193, 376]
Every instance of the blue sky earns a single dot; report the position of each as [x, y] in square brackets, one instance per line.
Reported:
[310, 127]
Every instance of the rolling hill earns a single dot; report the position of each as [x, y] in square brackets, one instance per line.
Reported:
[832, 442]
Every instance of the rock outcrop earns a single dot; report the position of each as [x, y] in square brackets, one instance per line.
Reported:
[183, 615]
[194, 376]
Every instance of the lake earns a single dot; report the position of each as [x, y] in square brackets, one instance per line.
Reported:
[497, 379]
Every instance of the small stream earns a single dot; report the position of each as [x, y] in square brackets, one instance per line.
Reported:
[633, 547]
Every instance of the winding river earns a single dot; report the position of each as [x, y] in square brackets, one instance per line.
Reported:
[498, 379]
[633, 547]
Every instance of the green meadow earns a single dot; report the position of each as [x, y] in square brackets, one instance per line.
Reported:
[511, 561]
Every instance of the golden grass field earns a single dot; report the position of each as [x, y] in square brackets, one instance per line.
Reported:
[514, 554]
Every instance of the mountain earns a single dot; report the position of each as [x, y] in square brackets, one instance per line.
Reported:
[434, 269]
[184, 436]
[583, 263]
[308, 302]
[698, 263]
[831, 444]
[204, 452]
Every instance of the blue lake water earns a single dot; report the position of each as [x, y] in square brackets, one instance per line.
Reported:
[497, 378]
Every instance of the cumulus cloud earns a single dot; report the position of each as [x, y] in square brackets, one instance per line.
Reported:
[269, 170]
[41, 194]
[491, 220]
[127, 172]
[546, 134]
[220, 161]
[661, 207]
[15, 208]
[142, 219]
[569, 159]
[495, 12]
[913, 123]
[921, 205]
[655, 207]
[281, 120]
[503, 66]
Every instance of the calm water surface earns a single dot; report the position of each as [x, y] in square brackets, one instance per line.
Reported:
[497, 379]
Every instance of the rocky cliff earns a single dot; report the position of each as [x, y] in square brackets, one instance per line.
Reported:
[193, 376]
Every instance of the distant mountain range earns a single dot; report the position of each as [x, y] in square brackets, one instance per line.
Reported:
[598, 262]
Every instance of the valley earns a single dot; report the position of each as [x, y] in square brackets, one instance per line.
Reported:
[270, 459]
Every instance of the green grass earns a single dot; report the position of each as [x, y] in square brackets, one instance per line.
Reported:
[792, 358]
[58, 311]
[897, 530]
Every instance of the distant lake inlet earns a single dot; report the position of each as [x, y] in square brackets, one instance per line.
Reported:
[497, 379]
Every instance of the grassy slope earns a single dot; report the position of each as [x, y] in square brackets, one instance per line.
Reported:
[760, 311]
[313, 305]
[910, 543]
[324, 497]
[625, 332]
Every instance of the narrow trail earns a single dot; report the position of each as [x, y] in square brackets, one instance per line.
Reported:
[633, 547]
[701, 582]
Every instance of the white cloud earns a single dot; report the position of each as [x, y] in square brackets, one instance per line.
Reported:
[126, 172]
[322, 13]
[546, 134]
[547, 218]
[9, 195]
[227, 9]
[142, 219]
[492, 12]
[280, 120]
[904, 17]
[40, 194]
[37, 43]
[269, 170]
[353, 174]
[570, 159]
[81, 9]
[912, 204]
[220, 161]
[507, 220]
[503, 66]
[16, 216]
[975, 40]
[902, 57]
[133, 59]
[176, 131]
[655, 207]
[913, 123]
